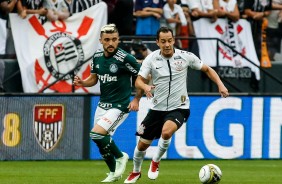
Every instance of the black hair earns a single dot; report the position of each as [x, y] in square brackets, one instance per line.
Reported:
[164, 30]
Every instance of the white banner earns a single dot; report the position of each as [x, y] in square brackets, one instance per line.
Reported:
[47, 52]
[238, 35]
[3, 36]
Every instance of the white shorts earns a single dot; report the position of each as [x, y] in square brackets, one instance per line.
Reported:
[109, 119]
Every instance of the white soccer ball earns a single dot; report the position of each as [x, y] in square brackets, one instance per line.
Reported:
[210, 174]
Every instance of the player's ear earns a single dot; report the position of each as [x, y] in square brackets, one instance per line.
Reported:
[173, 40]
[157, 42]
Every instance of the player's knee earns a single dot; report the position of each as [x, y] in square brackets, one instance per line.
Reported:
[97, 138]
[143, 144]
[167, 134]
[168, 129]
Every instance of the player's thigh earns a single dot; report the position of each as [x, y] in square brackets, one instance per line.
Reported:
[178, 116]
[151, 126]
[110, 119]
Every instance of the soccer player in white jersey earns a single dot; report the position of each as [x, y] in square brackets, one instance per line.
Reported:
[113, 67]
[168, 69]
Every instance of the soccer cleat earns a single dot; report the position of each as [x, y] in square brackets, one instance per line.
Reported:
[133, 177]
[110, 178]
[121, 165]
[153, 172]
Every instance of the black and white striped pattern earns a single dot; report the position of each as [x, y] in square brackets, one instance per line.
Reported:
[53, 129]
[68, 53]
[76, 6]
[32, 4]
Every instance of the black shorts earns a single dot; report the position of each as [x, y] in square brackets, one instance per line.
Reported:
[151, 126]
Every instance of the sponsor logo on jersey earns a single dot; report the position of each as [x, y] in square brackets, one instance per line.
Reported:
[130, 68]
[177, 57]
[159, 59]
[105, 105]
[107, 78]
[119, 56]
[113, 68]
[92, 65]
[48, 125]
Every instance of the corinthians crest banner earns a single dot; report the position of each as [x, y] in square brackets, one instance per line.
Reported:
[48, 51]
[238, 35]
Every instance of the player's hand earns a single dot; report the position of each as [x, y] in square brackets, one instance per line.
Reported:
[223, 91]
[134, 105]
[77, 81]
[195, 13]
[23, 14]
[43, 11]
[258, 16]
[148, 91]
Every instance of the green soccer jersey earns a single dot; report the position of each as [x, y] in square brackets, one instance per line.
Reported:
[114, 75]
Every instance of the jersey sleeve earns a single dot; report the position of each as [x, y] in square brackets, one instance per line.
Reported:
[93, 70]
[193, 5]
[167, 13]
[132, 65]
[138, 5]
[145, 69]
[194, 62]
[62, 6]
[96, 55]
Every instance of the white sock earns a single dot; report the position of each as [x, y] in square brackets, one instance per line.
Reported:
[162, 147]
[138, 158]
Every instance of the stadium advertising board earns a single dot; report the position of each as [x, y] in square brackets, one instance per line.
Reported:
[41, 127]
[238, 127]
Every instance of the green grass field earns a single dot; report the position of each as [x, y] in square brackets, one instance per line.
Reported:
[171, 172]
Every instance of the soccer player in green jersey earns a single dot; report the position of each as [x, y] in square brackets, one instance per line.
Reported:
[113, 67]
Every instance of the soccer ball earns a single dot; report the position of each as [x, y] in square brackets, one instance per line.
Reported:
[210, 174]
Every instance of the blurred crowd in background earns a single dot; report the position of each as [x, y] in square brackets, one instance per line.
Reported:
[144, 17]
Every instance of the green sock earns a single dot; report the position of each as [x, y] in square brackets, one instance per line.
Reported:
[103, 143]
[115, 150]
[106, 140]
[109, 159]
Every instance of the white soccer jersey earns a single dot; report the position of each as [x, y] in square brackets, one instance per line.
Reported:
[169, 77]
[228, 6]
[203, 5]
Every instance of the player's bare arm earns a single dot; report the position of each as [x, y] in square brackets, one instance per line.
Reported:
[155, 10]
[88, 82]
[142, 83]
[215, 78]
[134, 104]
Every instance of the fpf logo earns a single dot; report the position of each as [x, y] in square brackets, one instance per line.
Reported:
[48, 125]
[63, 53]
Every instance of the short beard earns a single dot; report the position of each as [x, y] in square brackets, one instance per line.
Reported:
[110, 53]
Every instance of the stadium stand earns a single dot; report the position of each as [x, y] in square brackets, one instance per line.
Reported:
[269, 76]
